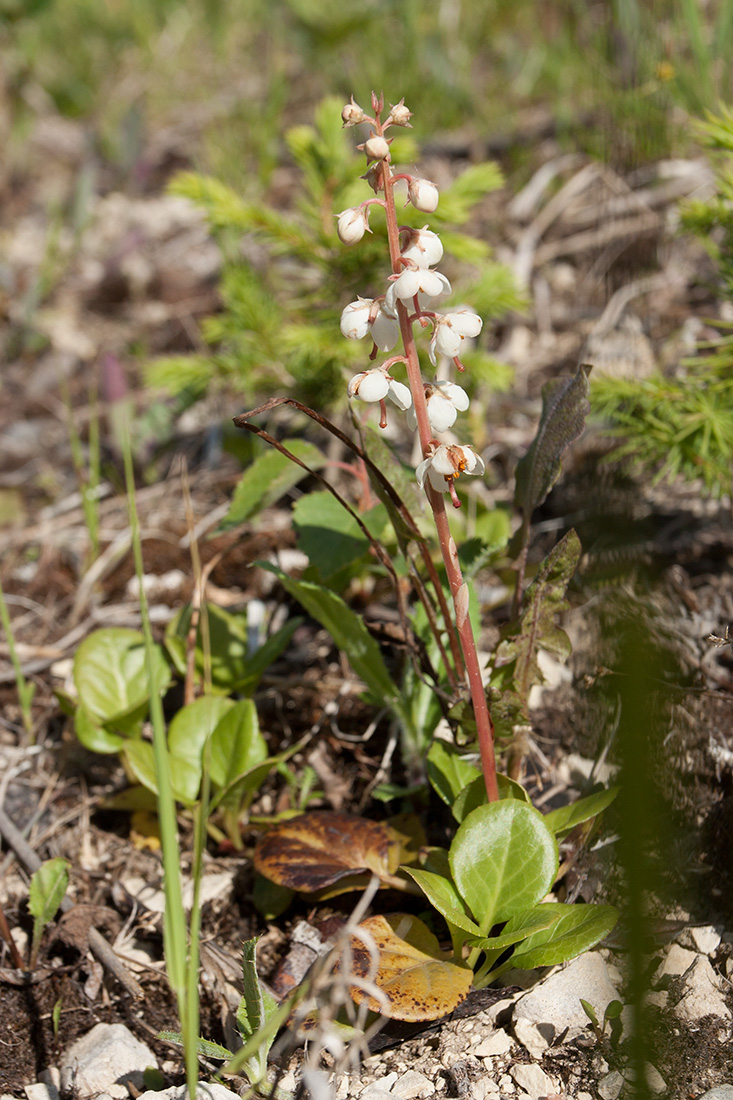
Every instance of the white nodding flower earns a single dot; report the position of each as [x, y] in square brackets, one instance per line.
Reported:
[423, 247]
[423, 195]
[375, 385]
[447, 462]
[444, 400]
[450, 332]
[352, 224]
[355, 319]
[418, 280]
[364, 317]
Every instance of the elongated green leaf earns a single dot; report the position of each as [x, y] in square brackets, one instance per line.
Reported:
[537, 629]
[564, 819]
[443, 896]
[111, 675]
[46, 892]
[577, 929]
[257, 1005]
[504, 861]
[187, 734]
[348, 632]
[526, 924]
[330, 535]
[565, 406]
[204, 1047]
[268, 478]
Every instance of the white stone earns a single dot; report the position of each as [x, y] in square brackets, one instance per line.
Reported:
[484, 1088]
[705, 939]
[675, 962]
[533, 1079]
[40, 1091]
[104, 1060]
[506, 1084]
[497, 1043]
[701, 995]
[51, 1076]
[376, 1088]
[720, 1092]
[654, 1080]
[413, 1084]
[659, 999]
[583, 1096]
[205, 1090]
[554, 1005]
[611, 1085]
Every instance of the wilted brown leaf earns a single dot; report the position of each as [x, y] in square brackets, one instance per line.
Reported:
[313, 851]
[419, 982]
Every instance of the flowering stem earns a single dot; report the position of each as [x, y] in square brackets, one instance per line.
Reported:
[459, 590]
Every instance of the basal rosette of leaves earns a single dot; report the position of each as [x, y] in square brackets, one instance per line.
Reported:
[286, 277]
[489, 887]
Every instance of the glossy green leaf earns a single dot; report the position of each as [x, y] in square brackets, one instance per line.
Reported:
[47, 889]
[504, 861]
[564, 819]
[443, 896]
[348, 632]
[526, 924]
[329, 534]
[576, 929]
[187, 734]
[111, 674]
[92, 735]
[268, 478]
[140, 758]
[204, 1047]
[236, 743]
[449, 771]
[474, 795]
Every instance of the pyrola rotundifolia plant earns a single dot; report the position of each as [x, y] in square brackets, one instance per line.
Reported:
[413, 292]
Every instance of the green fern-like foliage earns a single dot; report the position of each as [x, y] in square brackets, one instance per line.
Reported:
[286, 276]
[683, 425]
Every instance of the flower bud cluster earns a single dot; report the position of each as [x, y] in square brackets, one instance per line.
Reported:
[414, 289]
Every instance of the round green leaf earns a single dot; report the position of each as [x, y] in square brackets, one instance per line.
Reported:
[443, 896]
[111, 673]
[504, 860]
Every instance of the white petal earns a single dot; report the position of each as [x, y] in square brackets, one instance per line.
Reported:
[408, 284]
[370, 385]
[465, 322]
[385, 331]
[422, 470]
[442, 462]
[448, 341]
[441, 413]
[455, 394]
[400, 394]
[411, 418]
[355, 319]
[424, 247]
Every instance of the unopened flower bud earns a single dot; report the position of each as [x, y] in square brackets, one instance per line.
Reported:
[399, 114]
[352, 114]
[377, 148]
[423, 195]
[374, 178]
[352, 224]
[423, 246]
